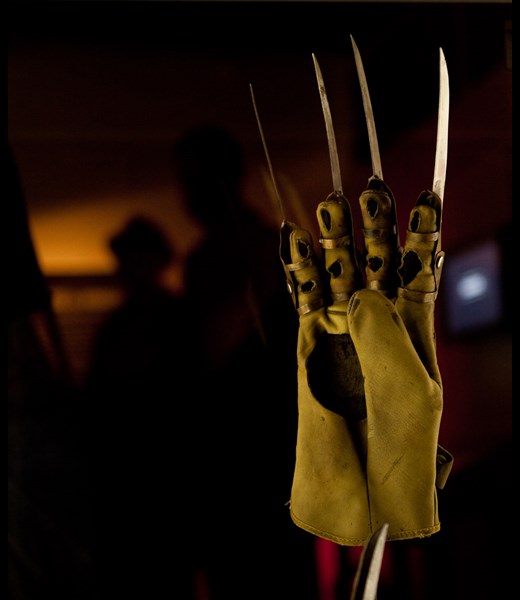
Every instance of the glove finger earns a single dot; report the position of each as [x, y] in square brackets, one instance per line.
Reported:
[337, 241]
[381, 237]
[404, 409]
[302, 272]
[419, 274]
[382, 342]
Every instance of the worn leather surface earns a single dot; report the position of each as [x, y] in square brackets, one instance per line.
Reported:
[370, 395]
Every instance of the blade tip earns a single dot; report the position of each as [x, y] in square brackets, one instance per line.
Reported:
[316, 65]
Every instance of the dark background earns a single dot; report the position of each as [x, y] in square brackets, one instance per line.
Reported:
[98, 92]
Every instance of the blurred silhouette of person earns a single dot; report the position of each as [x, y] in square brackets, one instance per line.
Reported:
[243, 369]
[48, 543]
[135, 402]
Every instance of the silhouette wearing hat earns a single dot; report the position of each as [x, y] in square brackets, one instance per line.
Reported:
[136, 411]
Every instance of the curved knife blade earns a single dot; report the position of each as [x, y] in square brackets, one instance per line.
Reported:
[331, 138]
[266, 152]
[441, 153]
[369, 114]
[367, 574]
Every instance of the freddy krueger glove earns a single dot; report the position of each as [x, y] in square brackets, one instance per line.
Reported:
[369, 389]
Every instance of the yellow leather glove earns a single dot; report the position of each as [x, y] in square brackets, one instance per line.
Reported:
[369, 388]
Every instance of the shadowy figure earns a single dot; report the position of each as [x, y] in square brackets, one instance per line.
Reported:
[48, 542]
[243, 374]
[135, 402]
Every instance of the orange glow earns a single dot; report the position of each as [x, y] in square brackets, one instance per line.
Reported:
[74, 240]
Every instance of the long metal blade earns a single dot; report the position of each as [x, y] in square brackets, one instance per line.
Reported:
[367, 575]
[441, 153]
[331, 138]
[369, 114]
[269, 164]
